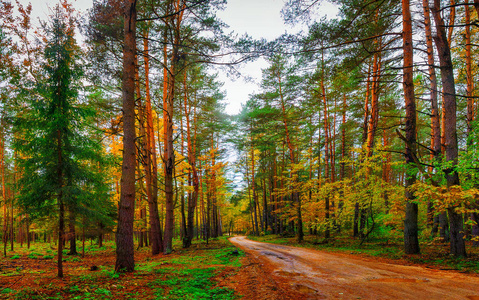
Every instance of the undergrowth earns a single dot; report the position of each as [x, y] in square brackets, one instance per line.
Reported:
[185, 274]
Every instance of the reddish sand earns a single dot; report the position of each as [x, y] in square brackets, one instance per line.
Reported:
[282, 272]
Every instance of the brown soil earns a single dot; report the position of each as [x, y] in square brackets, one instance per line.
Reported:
[253, 282]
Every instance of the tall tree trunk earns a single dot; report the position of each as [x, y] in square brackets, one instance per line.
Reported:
[126, 210]
[435, 120]
[192, 196]
[469, 75]
[156, 239]
[470, 108]
[327, 137]
[411, 242]
[265, 207]
[4, 195]
[373, 120]
[253, 186]
[458, 247]
[169, 150]
[357, 209]
[295, 194]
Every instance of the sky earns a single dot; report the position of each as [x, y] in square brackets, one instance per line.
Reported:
[258, 18]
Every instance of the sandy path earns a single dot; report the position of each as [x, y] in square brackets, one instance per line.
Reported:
[319, 275]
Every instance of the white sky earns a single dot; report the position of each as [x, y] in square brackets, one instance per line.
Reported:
[258, 18]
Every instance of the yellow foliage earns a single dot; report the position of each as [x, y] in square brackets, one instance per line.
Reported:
[443, 197]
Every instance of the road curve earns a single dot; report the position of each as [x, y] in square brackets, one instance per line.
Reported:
[319, 275]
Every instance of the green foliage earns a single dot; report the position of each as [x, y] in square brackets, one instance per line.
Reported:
[59, 155]
[110, 272]
[16, 256]
[73, 289]
[102, 291]
[7, 291]
[72, 258]
[193, 284]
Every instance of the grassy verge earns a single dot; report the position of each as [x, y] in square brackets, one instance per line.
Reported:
[192, 273]
[433, 253]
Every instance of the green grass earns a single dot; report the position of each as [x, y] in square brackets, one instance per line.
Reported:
[190, 277]
[191, 284]
[7, 291]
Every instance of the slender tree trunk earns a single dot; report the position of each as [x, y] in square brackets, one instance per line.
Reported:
[295, 194]
[72, 235]
[470, 108]
[4, 196]
[469, 74]
[265, 207]
[156, 241]
[253, 186]
[169, 151]
[169, 165]
[458, 247]
[373, 120]
[12, 218]
[83, 237]
[411, 242]
[327, 232]
[27, 229]
[357, 209]
[435, 120]
[192, 196]
[61, 236]
[126, 210]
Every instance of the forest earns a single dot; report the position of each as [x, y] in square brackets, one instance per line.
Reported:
[113, 128]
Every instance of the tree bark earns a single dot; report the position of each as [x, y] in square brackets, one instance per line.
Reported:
[156, 239]
[124, 236]
[295, 194]
[253, 186]
[72, 235]
[4, 195]
[457, 243]
[169, 156]
[411, 242]
[373, 120]
[435, 120]
[192, 196]
[470, 107]
[327, 232]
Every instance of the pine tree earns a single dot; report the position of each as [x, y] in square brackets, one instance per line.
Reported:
[58, 159]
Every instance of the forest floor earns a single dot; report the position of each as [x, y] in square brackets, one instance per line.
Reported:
[194, 273]
[218, 271]
[300, 273]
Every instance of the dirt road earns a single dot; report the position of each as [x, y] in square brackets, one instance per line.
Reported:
[297, 273]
